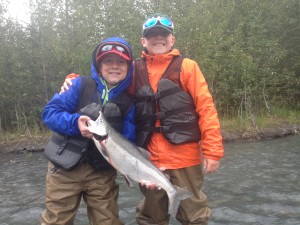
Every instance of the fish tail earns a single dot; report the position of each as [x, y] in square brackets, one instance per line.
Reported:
[174, 199]
[174, 203]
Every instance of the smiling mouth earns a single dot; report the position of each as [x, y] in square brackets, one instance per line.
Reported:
[114, 73]
[159, 44]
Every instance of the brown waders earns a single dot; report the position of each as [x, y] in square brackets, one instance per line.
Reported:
[64, 190]
[153, 210]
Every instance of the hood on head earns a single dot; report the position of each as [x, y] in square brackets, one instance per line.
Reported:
[111, 45]
[111, 40]
[95, 70]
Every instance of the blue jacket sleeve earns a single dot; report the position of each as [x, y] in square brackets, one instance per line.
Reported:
[58, 113]
[129, 125]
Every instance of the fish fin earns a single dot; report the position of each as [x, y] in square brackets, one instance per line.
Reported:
[144, 152]
[182, 193]
[174, 203]
[128, 180]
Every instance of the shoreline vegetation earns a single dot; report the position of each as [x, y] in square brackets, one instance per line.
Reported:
[26, 143]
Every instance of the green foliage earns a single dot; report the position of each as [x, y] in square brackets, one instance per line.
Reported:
[248, 51]
[279, 117]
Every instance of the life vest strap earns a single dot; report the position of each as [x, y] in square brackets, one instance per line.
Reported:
[171, 128]
[175, 127]
[164, 114]
[159, 95]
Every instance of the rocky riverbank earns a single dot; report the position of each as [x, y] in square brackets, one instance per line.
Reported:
[37, 143]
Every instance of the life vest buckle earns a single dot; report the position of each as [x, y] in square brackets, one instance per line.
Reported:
[163, 129]
[156, 96]
[161, 115]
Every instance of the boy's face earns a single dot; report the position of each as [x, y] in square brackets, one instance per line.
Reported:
[158, 41]
[113, 69]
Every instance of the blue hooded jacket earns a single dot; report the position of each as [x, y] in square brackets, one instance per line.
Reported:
[58, 114]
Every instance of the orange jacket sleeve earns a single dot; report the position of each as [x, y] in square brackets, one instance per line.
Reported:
[72, 76]
[194, 83]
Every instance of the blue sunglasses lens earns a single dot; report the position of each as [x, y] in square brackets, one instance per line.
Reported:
[163, 21]
[150, 22]
[166, 22]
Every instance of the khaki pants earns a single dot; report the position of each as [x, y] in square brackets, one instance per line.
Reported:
[64, 190]
[154, 208]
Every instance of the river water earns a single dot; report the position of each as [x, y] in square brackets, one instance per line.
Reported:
[258, 184]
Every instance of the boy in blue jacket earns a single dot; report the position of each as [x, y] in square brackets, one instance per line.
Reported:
[67, 114]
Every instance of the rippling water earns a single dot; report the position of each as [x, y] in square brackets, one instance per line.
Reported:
[258, 183]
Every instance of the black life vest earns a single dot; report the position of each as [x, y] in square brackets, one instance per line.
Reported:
[176, 109]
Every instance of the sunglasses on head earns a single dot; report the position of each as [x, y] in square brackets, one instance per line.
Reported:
[154, 20]
[109, 47]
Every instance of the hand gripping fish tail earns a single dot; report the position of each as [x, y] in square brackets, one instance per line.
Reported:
[133, 162]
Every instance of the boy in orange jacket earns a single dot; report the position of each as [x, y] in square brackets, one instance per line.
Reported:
[176, 122]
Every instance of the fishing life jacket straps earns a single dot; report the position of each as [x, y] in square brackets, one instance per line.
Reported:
[176, 109]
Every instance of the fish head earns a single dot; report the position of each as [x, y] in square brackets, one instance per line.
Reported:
[99, 127]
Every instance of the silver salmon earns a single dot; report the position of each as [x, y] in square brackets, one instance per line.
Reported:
[132, 161]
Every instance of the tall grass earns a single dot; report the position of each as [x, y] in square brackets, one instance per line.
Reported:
[278, 117]
[27, 132]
